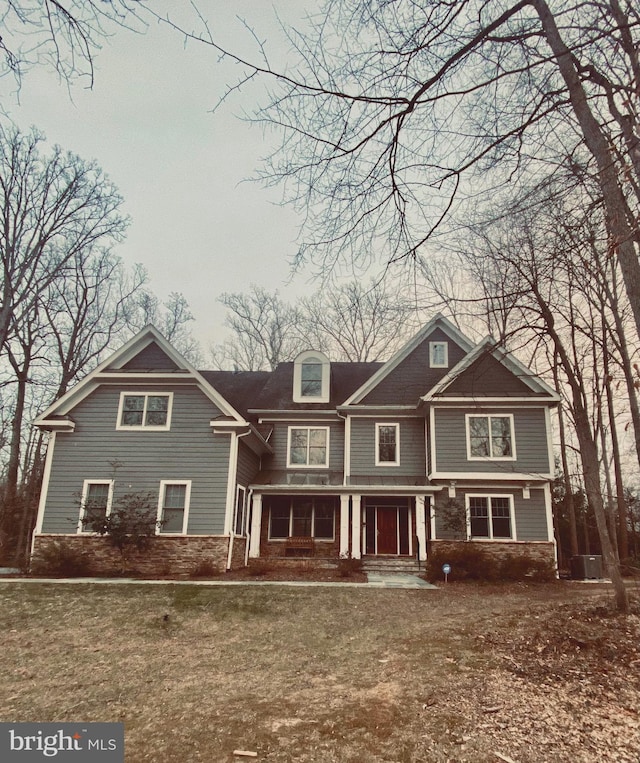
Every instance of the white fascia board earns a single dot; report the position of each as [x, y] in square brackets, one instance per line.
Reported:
[460, 477]
[267, 414]
[56, 425]
[438, 321]
[490, 402]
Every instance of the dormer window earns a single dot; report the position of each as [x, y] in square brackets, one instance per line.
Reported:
[438, 355]
[311, 378]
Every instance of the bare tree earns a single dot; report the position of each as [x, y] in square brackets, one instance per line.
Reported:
[265, 331]
[552, 300]
[399, 116]
[358, 322]
[52, 208]
[64, 35]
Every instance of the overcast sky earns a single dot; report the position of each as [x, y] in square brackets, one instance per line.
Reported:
[196, 226]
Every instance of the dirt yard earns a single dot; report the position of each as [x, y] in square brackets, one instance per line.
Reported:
[330, 675]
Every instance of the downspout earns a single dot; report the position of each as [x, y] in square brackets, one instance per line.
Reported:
[248, 543]
[236, 448]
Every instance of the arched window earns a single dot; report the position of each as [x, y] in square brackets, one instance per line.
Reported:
[311, 377]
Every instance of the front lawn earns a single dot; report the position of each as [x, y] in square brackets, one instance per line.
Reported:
[329, 675]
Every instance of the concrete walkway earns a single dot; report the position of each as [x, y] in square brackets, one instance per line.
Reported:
[375, 580]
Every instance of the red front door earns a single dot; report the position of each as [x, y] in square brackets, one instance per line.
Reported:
[387, 530]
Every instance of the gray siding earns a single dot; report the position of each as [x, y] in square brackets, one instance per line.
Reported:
[412, 447]
[279, 439]
[530, 513]
[188, 451]
[248, 465]
[530, 435]
[413, 377]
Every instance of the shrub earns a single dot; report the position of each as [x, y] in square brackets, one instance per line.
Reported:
[630, 567]
[259, 568]
[205, 568]
[130, 526]
[61, 559]
[471, 562]
[524, 567]
[347, 566]
[468, 562]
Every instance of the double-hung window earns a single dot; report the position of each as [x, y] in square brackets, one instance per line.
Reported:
[308, 446]
[145, 410]
[490, 516]
[96, 504]
[387, 444]
[490, 437]
[173, 507]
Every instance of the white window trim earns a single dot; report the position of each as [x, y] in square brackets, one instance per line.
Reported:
[445, 363]
[379, 425]
[489, 416]
[141, 427]
[85, 492]
[308, 466]
[489, 497]
[187, 502]
[313, 526]
[303, 357]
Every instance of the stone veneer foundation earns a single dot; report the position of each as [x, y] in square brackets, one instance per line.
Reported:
[165, 557]
[543, 550]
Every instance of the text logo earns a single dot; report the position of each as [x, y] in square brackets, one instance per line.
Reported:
[62, 742]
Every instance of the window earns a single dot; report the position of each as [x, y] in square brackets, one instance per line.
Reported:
[95, 505]
[240, 523]
[308, 446]
[311, 371]
[311, 378]
[490, 516]
[387, 444]
[302, 517]
[490, 437]
[145, 410]
[173, 507]
[438, 354]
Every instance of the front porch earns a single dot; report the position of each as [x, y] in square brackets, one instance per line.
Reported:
[331, 526]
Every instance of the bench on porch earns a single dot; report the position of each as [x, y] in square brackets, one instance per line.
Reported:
[299, 546]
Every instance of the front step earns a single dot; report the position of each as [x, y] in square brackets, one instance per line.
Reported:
[398, 565]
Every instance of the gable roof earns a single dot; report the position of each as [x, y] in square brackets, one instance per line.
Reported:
[481, 362]
[121, 365]
[437, 322]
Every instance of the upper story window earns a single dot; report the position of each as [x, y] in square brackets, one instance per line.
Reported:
[311, 372]
[490, 516]
[145, 410]
[387, 444]
[438, 354]
[490, 437]
[308, 446]
[96, 504]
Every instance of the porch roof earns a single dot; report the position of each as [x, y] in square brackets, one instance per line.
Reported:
[332, 481]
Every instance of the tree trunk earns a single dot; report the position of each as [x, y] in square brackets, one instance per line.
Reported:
[620, 232]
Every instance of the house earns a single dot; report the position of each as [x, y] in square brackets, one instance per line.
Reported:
[315, 459]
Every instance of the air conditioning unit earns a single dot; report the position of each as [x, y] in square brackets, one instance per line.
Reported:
[586, 567]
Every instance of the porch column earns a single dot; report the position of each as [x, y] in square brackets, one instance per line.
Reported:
[344, 526]
[256, 524]
[421, 528]
[356, 526]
